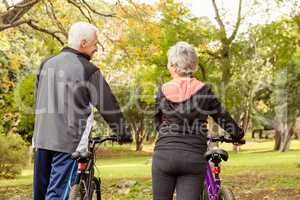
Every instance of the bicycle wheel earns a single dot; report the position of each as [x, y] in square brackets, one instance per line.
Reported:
[226, 194]
[96, 189]
[205, 195]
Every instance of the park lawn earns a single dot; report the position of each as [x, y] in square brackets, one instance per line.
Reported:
[255, 170]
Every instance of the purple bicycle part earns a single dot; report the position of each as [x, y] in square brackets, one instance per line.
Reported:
[212, 186]
[212, 180]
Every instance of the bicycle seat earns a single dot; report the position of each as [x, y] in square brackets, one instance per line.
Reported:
[80, 155]
[216, 155]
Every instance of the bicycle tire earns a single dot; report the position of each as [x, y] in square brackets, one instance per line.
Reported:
[96, 189]
[226, 194]
[205, 195]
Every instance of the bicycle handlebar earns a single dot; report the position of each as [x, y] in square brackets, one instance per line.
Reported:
[93, 141]
[222, 138]
[99, 140]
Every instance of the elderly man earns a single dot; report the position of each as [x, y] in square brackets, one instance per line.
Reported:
[66, 86]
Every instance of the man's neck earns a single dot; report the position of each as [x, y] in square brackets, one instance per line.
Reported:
[79, 52]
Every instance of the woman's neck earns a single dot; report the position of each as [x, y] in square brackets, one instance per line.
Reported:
[176, 76]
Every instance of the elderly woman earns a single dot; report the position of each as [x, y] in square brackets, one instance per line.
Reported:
[182, 108]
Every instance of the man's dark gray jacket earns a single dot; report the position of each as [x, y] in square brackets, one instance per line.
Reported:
[65, 87]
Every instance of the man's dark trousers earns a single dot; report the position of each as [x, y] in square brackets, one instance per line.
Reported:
[54, 173]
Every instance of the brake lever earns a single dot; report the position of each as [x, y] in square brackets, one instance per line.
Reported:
[222, 138]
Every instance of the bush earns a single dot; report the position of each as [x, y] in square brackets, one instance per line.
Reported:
[24, 96]
[13, 155]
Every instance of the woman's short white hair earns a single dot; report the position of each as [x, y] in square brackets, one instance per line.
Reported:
[184, 57]
[80, 31]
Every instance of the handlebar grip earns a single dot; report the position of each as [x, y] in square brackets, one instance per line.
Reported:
[226, 140]
[113, 138]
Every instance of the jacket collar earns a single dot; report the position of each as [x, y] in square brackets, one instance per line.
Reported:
[69, 49]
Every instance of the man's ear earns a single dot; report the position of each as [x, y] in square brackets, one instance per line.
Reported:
[83, 43]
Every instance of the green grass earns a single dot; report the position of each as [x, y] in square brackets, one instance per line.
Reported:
[129, 167]
[256, 166]
[25, 178]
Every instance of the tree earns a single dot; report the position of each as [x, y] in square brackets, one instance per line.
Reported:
[278, 48]
[224, 55]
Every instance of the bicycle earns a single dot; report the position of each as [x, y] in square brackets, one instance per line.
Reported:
[213, 189]
[87, 186]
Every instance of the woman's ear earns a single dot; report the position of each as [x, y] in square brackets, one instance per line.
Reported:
[172, 68]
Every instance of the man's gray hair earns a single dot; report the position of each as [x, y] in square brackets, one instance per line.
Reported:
[184, 57]
[80, 31]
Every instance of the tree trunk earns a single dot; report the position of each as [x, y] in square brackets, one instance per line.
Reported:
[225, 59]
[297, 128]
[30, 155]
[285, 143]
[277, 140]
[140, 135]
[246, 119]
[139, 144]
[139, 140]
[149, 134]
[283, 136]
[226, 71]
[297, 135]
[203, 72]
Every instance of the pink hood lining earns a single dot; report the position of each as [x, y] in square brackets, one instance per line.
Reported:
[181, 89]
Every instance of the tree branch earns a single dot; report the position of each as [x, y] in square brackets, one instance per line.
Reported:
[22, 4]
[51, 14]
[79, 8]
[213, 54]
[203, 71]
[238, 22]
[12, 15]
[219, 20]
[34, 26]
[89, 12]
[96, 12]
[7, 26]
[6, 4]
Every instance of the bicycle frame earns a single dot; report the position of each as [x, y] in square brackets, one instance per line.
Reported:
[212, 185]
[85, 174]
[212, 180]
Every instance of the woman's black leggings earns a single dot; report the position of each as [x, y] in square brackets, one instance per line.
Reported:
[180, 170]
